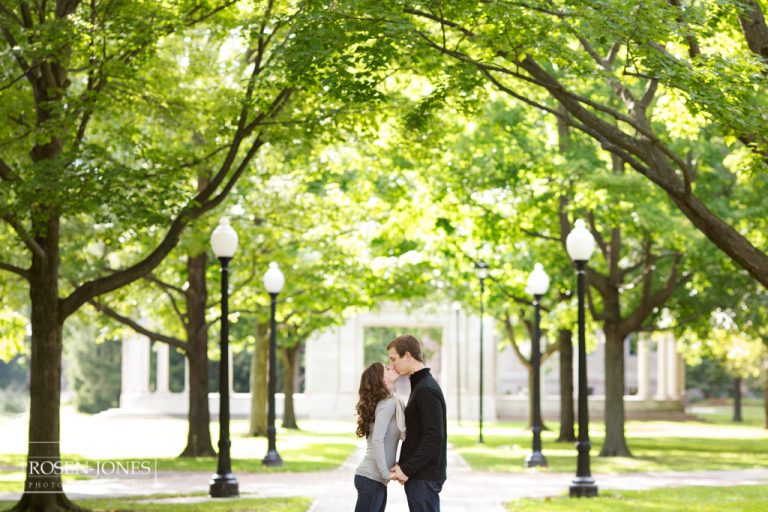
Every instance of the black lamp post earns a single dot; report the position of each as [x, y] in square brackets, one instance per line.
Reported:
[273, 282]
[482, 273]
[538, 282]
[224, 483]
[580, 244]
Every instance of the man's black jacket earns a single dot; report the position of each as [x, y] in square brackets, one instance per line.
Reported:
[423, 454]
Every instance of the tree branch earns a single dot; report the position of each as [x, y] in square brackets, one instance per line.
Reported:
[598, 236]
[565, 224]
[515, 298]
[16, 270]
[618, 88]
[162, 284]
[7, 173]
[600, 283]
[614, 256]
[11, 15]
[155, 336]
[510, 330]
[573, 103]
[166, 289]
[208, 14]
[542, 236]
[693, 44]
[21, 61]
[200, 204]
[647, 273]
[549, 350]
[30, 242]
[543, 10]
[650, 92]
[635, 320]
[753, 27]
[277, 104]
[10, 84]
[613, 53]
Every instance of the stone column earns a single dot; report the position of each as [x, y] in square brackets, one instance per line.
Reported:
[163, 368]
[460, 373]
[127, 365]
[680, 376]
[643, 367]
[673, 367]
[662, 354]
[351, 352]
[134, 370]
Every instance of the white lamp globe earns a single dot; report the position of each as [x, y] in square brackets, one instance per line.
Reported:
[224, 239]
[538, 280]
[580, 243]
[274, 280]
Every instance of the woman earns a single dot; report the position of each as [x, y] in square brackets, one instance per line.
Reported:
[381, 421]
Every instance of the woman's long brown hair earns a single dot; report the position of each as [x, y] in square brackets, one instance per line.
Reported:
[372, 390]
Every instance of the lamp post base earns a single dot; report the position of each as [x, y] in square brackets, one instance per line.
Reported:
[224, 486]
[583, 487]
[535, 460]
[272, 459]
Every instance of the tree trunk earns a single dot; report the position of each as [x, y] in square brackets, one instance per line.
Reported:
[258, 418]
[199, 416]
[765, 392]
[567, 411]
[615, 441]
[737, 400]
[42, 488]
[290, 357]
[765, 397]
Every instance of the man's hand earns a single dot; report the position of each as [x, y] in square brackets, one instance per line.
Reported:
[397, 474]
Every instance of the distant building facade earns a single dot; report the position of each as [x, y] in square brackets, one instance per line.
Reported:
[335, 358]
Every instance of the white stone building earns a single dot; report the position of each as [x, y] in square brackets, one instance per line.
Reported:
[335, 358]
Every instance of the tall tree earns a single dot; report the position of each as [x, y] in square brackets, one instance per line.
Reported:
[517, 201]
[111, 123]
[640, 79]
[189, 305]
[337, 233]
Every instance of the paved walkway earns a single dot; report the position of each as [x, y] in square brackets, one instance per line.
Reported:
[465, 491]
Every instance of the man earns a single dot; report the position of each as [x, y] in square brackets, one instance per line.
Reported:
[423, 455]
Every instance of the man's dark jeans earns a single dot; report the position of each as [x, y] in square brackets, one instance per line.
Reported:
[371, 495]
[423, 495]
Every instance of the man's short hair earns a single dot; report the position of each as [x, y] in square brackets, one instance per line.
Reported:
[407, 343]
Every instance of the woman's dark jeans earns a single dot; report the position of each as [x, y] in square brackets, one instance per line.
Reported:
[423, 495]
[371, 495]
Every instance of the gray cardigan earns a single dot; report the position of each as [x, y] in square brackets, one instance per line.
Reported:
[381, 446]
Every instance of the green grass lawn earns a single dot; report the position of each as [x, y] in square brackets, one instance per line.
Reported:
[11, 481]
[700, 499]
[208, 505]
[721, 412]
[657, 447]
[301, 451]
[310, 456]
